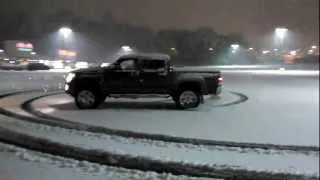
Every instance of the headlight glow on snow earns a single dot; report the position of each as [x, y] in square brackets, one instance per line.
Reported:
[69, 77]
[81, 64]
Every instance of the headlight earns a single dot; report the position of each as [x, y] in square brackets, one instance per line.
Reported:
[105, 65]
[70, 76]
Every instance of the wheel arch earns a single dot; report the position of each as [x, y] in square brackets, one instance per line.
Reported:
[197, 84]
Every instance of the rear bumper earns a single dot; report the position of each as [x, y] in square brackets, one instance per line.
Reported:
[218, 90]
[213, 89]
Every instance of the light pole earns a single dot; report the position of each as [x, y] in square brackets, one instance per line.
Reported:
[280, 34]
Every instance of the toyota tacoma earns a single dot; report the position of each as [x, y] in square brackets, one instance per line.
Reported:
[141, 74]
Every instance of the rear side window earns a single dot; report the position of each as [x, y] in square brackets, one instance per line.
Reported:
[152, 65]
[128, 64]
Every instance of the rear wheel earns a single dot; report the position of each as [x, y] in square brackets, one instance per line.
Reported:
[188, 98]
[87, 99]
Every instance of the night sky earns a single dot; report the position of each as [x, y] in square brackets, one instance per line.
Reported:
[256, 19]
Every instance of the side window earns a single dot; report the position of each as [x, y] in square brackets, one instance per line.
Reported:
[153, 65]
[128, 64]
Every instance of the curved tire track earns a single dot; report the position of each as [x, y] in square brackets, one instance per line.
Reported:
[139, 163]
[51, 120]
[242, 98]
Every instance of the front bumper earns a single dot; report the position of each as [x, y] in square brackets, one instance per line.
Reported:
[69, 88]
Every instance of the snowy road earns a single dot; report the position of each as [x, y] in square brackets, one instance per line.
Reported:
[282, 109]
[18, 163]
[281, 104]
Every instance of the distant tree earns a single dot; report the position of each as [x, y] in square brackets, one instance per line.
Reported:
[97, 39]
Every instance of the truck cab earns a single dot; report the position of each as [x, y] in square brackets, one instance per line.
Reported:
[138, 75]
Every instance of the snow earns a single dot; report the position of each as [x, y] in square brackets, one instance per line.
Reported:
[214, 157]
[12, 103]
[278, 106]
[26, 80]
[17, 163]
[282, 109]
[277, 72]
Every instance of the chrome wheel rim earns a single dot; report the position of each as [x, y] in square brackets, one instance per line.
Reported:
[188, 99]
[86, 98]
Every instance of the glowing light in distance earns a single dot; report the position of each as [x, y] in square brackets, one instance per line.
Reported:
[265, 51]
[234, 46]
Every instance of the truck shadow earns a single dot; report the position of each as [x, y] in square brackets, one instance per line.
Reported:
[163, 105]
[139, 105]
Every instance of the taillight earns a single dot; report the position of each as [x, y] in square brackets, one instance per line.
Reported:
[220, 79]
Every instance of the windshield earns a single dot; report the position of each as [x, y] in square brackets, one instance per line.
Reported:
[159, 89]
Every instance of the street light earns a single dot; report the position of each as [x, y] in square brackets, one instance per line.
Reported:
[126, 48]
[293, 53]
[312, 47]
[1, 50]
[234, 46]
[265, 51]
[280, 34]
[310, 51]
[33, 53]
[65, 32]
[250, 49]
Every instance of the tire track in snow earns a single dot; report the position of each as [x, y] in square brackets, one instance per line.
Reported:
[51, 120]
[93, 169]
[243, 173]
[50, 145]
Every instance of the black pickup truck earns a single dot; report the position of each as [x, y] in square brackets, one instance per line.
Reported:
[141, 74]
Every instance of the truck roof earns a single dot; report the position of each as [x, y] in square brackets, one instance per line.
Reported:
[148, 56]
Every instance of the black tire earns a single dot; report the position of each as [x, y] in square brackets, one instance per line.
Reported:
[87, 99]
[192, 102]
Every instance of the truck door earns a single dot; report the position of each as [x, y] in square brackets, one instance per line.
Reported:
[153, 76]
[124, 77]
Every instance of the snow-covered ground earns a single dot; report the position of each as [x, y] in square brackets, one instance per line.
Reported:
[216, 157]
[24, 80]
[284, 106]
[280, 110]
[17, 164]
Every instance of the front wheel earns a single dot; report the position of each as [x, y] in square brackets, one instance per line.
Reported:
[188, 99]
[87, 99]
